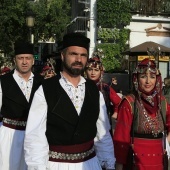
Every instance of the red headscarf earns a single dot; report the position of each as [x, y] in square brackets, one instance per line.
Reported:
[151, 100]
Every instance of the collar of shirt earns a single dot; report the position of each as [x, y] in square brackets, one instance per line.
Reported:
[76, 94]
[25, 86]
[82, 80]
[17, 76]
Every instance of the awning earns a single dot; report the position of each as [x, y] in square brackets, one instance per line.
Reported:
[142, 49]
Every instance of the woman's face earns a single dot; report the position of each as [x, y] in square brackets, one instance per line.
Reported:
[93, 73]
[147, 81]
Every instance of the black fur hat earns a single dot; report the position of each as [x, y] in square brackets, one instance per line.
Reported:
[76, 39]
[23, 48]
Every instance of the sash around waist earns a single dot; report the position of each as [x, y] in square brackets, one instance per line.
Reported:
[72, 153]
[18, 124]
[148, 136]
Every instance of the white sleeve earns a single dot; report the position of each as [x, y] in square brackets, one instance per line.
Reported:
[167, 148]
[0, 96]
[103, 140]
[35, 145]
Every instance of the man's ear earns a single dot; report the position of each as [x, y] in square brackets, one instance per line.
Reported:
[62, 56]
[14, 60]
[33, 62]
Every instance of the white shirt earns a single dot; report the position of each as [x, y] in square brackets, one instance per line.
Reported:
[25, 86]
[76, 94]
[36, 145]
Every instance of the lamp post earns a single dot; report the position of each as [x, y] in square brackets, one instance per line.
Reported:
[30, 20]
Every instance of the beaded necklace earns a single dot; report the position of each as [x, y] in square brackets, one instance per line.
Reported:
[148, 118]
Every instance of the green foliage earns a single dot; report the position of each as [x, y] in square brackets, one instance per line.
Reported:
[107, 33]
[112, 51]
[113, 15]
[12, 23]
[51, 18]
[108, 58]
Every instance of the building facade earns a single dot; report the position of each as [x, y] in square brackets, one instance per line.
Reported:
[151, 23]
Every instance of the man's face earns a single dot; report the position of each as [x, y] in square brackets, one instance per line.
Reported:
[74, 60]
[24, 63]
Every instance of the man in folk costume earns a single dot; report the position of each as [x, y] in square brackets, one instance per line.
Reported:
[16, 93]
[142, 118]
[68, 127]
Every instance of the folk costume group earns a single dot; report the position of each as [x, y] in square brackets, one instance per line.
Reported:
[62, 123]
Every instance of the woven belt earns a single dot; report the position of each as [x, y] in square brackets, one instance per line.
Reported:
[14, 123]
[148, 136]
[57, 154]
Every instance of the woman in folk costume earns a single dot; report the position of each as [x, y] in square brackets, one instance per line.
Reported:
[142, 117]
[94, 71]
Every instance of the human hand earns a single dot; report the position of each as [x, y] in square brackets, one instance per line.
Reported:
[168, 137]
[119, 166]
[49, 74]
[114, 116]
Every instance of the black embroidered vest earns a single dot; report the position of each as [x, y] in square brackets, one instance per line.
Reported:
[64, 125]
[14, 103]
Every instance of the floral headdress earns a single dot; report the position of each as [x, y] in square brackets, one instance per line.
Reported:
[49, 66]
[95, 63]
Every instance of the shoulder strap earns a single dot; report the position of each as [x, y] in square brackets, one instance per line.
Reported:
[131, 101]
[163, 107]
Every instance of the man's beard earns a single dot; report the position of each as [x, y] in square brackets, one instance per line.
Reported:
[73, 71]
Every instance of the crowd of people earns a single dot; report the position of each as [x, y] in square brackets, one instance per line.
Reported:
[60, 121]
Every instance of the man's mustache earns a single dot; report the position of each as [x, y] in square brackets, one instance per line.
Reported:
[77, 64]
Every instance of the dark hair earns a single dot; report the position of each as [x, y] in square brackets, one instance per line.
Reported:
[114, 78]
